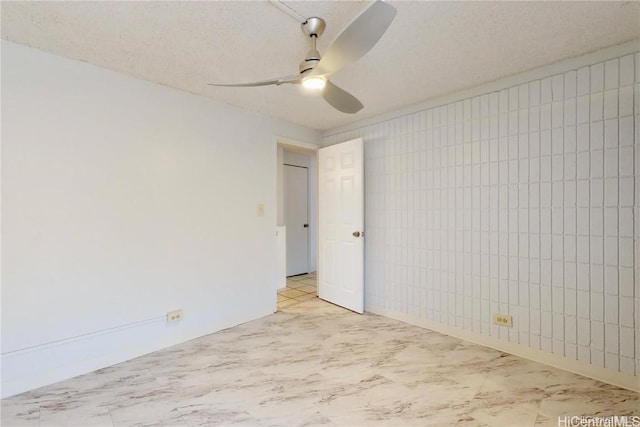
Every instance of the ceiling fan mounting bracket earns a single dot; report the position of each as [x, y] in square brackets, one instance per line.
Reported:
[313, 27]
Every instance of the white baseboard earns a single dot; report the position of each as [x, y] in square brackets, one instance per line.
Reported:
[47, 364]
[579, 367]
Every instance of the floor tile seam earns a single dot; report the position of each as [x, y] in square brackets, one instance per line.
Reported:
[113, 423]
[291, 305]
[296, 296]
[39, 414]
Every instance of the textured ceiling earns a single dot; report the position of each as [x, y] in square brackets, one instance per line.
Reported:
[431, 48]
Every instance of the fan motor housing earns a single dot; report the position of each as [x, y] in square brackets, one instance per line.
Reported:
[313, 26]
[307, 65]
[312, 59]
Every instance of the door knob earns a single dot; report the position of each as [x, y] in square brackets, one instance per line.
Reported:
[356, 234]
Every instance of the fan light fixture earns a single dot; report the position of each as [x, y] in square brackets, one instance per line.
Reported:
[314, 82]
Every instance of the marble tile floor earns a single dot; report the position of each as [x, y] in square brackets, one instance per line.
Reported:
[299, 288]
[313, 363]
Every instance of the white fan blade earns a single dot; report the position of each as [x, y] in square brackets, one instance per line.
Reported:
[279, 81]
[340, 99]
[357, 39]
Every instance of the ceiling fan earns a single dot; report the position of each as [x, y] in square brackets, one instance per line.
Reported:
[354, 41]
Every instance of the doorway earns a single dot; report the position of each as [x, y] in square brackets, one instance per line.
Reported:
[297, 259]
[340, 245]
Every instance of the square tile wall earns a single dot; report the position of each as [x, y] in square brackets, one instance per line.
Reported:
[521, 201]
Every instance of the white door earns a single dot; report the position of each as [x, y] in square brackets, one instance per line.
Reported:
[341, 225]
[296, 218]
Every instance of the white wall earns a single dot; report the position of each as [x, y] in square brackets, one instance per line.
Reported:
[520, 199]
[121, 200]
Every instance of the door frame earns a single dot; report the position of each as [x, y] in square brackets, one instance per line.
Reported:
[311, 150]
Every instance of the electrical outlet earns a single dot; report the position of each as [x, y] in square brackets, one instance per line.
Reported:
[174, 316]
[502, 320]
[260, 210]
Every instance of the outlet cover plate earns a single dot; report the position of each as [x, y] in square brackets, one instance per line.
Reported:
[502, 320]
[174, 316]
